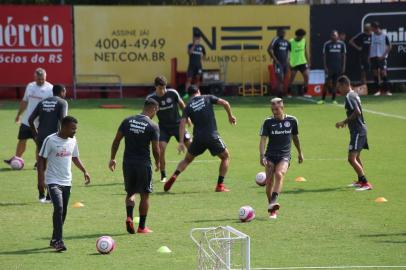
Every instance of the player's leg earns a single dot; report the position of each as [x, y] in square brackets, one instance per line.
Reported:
[224, 164]
[334, 87]
[269, 171]
[375, 74]
[198, 79]
[326, 88]
[144, 188]
[384, 77]
[162, 161]
[358, 142]
[180, 168]
[130, 179]
[305, 74]
[143, 211]
[293, 72]
[56, 193]
[129, 206]
[279, 174]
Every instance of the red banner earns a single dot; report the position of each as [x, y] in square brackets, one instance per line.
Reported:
[32, 37]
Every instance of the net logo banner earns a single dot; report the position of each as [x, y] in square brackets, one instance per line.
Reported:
[35, 36]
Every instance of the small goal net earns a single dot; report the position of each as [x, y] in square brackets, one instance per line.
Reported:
[221, 248]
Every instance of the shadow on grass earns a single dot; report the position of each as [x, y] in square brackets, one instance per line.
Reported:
[87, 236]
[380, 235]
[28, 251]
[321, 190]
[8, 204]
[105, 185]
[383, 234]
[163, 193]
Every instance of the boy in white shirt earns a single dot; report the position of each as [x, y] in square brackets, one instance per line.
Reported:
[55, 160]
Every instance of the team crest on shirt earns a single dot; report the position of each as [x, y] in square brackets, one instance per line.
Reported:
[168, 100]
[163, 103]
[286, 124]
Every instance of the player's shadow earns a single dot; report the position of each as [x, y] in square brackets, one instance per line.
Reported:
[88, 236]
[105, 185]
[163, 193]
[321, 190]
[28, 251]
[386, 235]
[9, 204]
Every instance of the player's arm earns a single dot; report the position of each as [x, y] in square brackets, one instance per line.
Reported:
[307, 56]
[191, 49]
[270, 51]
[325, 59]
[156, 152]
[352, 117]
[352, 43]
[182, 131]
[262, 143]
[21, 109]
[344, 56]
[78, 163]
[114, 148]
[296, 142]
[227, 107]
[31, 120]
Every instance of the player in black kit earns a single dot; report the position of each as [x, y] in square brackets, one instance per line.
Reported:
[279, 131]
[196, 53]
[139, 132]
[169, 118]
[205, 135]
[358, 131]
[279, 52]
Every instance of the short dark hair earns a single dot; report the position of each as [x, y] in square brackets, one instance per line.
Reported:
[149, 103]
[192, 90]
[57, 89]
[280, 31]
[68, 119]
[300, 32]
[376, 25]
[160, 81]
[344, 80]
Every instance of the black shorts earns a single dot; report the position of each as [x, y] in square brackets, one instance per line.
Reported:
[277, 158]
[333, 75]
[280, 70]
[25, 133]
[137, 178]
[358, 142]
[39, 142]
[165, 134]
[193, 71]
[376, 63]
[364, 63]
[302, 68]
[215, 145]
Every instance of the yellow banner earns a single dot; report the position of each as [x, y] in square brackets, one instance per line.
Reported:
[138, 43]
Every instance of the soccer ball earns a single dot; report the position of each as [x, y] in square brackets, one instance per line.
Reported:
[260, 179]
[105, 245]
[17, 163]
[246, 213]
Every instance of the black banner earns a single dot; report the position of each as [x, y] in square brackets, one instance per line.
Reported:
[350, 19]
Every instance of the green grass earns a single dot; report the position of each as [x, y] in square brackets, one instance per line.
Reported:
[321, 223]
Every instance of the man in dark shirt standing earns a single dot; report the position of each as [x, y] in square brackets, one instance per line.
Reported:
[205, 135]
[279, 131]
[279, 52]
[334, 55]
[169, 118]
[50, 113]
[362, 43]
[196, 52]
[139, 132]
[358, 131]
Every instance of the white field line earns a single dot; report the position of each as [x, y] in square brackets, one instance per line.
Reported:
[334, 267]
[364, 110]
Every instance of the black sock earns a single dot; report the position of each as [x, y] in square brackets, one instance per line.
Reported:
[323, 97]
[163, 174]
[176, 173]
[333, 95]
[130, 210]
[304, 89]
[143, 218]
[362, 179]
[220, 180]
[376, 82]
[274, 197]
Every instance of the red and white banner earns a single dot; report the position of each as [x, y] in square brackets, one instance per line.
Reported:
[32, 37]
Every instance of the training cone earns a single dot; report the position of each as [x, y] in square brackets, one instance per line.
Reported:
[380, 200]
[136, 219]
[300, 179]
[78, 205]
[164, 249]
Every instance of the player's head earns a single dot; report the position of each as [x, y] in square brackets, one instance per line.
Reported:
[376, 27]
[334, 35]
[343, 84]
[193, 90]
[40, 76]
[59, 90]
[277, 106]
[342, 36]
[367, 28]
[151, 106]
[281, 32]
[69, 126]
[300, 33]
[160, 83]
[197, 37]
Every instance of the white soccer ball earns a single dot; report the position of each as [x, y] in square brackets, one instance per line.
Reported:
[17, 163]
[260, 179]
[246, 213]
[105, 245]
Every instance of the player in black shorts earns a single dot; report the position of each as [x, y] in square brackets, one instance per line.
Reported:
[139, 133]
[279, 131]
[334, 58]
[362, 43]
[205, 135]
[358, 131]
[278, 50]
[169, 118]
[50, 113]
[196, 52]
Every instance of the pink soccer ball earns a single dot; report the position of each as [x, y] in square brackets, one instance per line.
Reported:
[260, 179]
[105, 245]
[17, 163]
[246, 213]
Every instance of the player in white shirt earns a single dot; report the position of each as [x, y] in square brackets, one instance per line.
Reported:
[54, 165]
[35, 92]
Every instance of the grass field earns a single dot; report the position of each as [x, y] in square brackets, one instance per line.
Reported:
[321, 223]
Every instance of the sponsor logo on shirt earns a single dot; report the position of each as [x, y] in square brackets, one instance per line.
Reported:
[138, 127]
[197, 105]
[63, 152]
